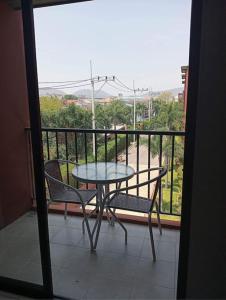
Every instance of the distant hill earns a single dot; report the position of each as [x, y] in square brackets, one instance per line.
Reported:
[50, 92]
[174, 92]
[86, 93]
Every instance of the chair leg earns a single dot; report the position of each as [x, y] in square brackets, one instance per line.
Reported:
[88, 216]
[158, 218]
[113, 219]
[151, 237]
[97, 226]
[108, 216]
[120, 223]
[88, 228]
[65, 211]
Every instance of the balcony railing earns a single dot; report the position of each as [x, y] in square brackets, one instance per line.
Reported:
[141, 149]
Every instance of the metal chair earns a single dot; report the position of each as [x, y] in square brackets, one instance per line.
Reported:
[118, 200]
[65, 193]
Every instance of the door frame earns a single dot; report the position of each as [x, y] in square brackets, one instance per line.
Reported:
[9, 284]
[46, 291]
[189, 150]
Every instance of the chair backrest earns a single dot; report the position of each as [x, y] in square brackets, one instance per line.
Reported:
[52, 168]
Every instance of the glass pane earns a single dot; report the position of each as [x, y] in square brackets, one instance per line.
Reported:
[19, 240]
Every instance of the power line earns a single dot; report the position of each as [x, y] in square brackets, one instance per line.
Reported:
[116, 88]
[125, 86]
[65, 87]
[96, 79]
[100, 88]
[69, 81]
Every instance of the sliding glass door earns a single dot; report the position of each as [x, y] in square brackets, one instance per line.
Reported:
[24, 244]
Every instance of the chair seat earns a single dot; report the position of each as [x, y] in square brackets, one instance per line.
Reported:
[130, 202]
[72, 197]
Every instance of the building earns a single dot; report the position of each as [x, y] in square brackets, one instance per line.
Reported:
[183, 97]
[105, 101]
[67, 102]
[202, 243]
[185, 72]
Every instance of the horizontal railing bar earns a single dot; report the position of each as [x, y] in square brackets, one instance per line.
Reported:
[140, 132]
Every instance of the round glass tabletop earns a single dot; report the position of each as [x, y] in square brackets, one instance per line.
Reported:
[102, 172]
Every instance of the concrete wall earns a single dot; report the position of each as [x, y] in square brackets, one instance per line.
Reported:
[15, 191]
[206, 265]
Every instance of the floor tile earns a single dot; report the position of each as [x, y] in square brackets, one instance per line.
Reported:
[103, 288]
[132, 248]
[31, 272]
[145, 291]
[70, 283]
[166, 251]
[170, 235]
[161, 273]
[113, 271]
[67, 236]
[146, 251]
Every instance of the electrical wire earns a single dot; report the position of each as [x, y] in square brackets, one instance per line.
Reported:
[100, 88]
[69, 81]
[120, 86]
[60, 86]
[73, 84]
[66, 87]
[116, 88]
[124, 85]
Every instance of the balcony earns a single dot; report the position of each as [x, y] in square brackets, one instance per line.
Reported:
[114, 270]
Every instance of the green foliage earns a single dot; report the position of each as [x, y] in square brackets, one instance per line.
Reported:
[74, 116]
[177, 194]
[103, 119]
[111, 148]
[167, 115]
[117, 112]
[54, 114]
[141, 109]
[50, 108]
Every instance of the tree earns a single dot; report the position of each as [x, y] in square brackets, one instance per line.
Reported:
[70, 97]
[166, 97]
[103, 119]
[74, 116]
[119, 113]
[166, 115]
[50, 107]
[141, 108]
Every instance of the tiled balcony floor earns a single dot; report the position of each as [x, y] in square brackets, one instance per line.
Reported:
[114, 271]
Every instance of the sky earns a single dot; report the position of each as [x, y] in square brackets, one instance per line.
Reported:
[142, 40]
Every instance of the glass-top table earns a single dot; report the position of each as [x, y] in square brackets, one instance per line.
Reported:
[102, 174]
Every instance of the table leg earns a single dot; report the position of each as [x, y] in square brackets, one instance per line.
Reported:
[107, 190]
[96, 228]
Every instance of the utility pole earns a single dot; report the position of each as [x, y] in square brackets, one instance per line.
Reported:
[134, 107]
[94, 80]
[92, 105]
[92, 96]
[134, 104]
